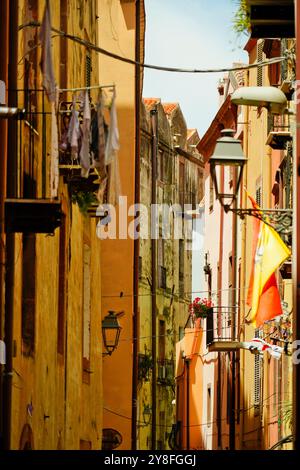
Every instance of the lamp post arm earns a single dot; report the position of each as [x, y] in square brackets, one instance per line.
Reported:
[279, 219]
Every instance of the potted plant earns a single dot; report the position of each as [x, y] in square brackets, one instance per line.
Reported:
[200, 308]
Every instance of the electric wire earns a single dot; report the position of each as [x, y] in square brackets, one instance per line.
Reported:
[241, 410]
[100, 50]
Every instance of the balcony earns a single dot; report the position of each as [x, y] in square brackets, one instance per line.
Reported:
[69, 167]
[32, 215]
[272, 18]
[278, 139]
[165, 372]
[219, 332]
[30, 209]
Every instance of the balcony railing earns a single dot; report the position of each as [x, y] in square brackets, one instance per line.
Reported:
[221, 334]
[69, 166]
[30, 208]
[165, 371]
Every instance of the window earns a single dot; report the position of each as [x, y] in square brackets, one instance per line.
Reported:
[162, 340]
[211, 194]
[61, 288]
[162, 272]
[260, 57]
[181, 333]
[161, 251]
[258, 195]
[140, 267]
[230, 291]
[181, 268]
[160, 166]
[208, 404]
[257, 380]
[88, 69]
[86, 339]
[28, 292]
[181, 185]
[200, 185]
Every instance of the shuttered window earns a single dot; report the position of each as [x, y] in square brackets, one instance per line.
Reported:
[257, 380]
[28, 292]
[260, 57]
[88, 69]
[258, 194]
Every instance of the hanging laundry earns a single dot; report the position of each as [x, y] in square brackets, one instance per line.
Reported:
[111, 155]
[258, 345]
[86, 134]
[99, 131]
[112, 144]
[46, 61]
[54, 166]
[64, 141]
[74, 131]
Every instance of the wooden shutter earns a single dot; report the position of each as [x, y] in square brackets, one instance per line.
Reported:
[257, 380]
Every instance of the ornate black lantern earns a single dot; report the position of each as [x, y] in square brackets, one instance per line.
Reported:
[111, 330]
[228, 153]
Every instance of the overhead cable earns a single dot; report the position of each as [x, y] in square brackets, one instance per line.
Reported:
[100, 50]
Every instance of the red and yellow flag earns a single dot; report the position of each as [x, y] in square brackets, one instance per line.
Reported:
[270, 252]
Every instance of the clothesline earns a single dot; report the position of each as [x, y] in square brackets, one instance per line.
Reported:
[93, 87]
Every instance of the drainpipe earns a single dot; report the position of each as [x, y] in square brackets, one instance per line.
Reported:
[187, 362]
[233, 324]
[296, 239]
[135, 327]
[4, 31]
[10, 238]
[154, 129]
[219, 318]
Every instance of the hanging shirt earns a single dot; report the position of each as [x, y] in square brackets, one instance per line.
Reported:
[98, 140]
[47, 62]
[74, 132]
[112, 145]
[86, 133]
[111, 155]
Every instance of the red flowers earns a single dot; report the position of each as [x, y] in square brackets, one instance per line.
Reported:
[200, 307]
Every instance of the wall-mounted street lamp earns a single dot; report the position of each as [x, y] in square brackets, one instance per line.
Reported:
[14, 113]
[147, 413]
[111, 330]
[229, 153]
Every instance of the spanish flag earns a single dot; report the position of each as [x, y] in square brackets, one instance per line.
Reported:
[269, 253]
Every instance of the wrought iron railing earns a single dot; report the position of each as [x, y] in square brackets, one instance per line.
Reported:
[165, 371]
[221, 325]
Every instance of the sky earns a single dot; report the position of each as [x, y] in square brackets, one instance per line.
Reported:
[190, 34]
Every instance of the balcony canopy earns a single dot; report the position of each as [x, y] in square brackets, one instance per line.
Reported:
[272, 18]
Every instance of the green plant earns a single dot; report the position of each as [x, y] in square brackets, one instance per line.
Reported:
[200, 307]
[241, 19]
[84, 199]
[286, 415]
[145, 364]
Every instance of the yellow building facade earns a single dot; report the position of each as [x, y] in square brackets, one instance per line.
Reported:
[53, 341]
[165, 261]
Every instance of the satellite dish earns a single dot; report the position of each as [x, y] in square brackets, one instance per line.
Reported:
[266, 96]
